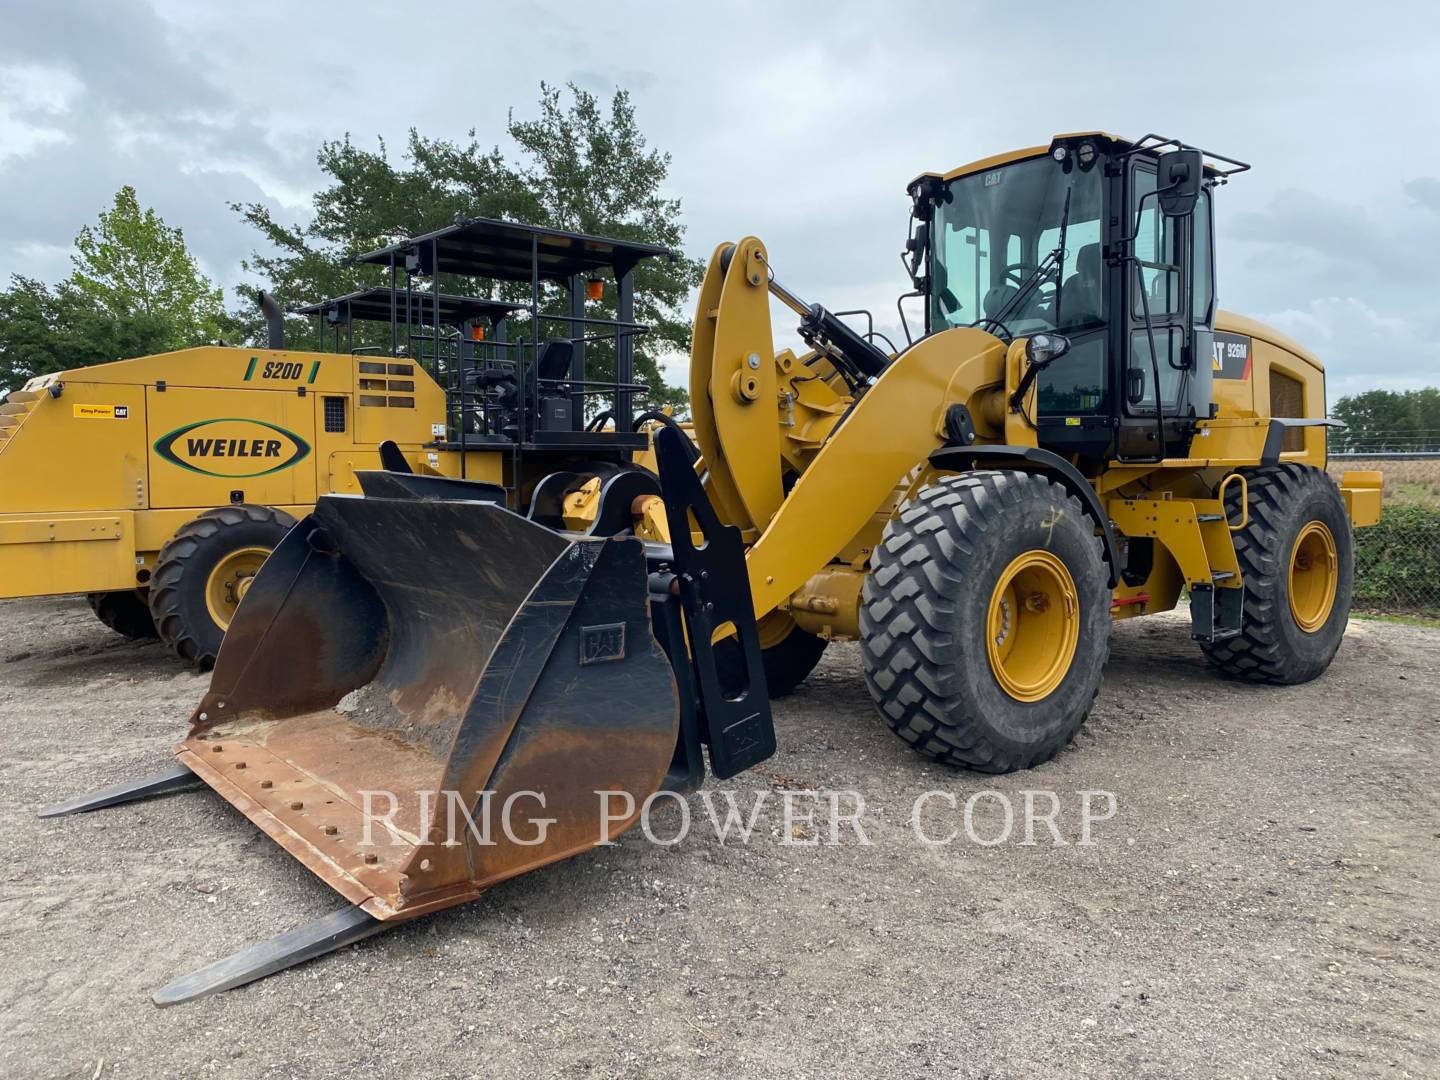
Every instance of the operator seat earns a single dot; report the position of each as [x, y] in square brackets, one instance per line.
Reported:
[1080, 298]
[554, 360]
[996, 299]
[549, 405]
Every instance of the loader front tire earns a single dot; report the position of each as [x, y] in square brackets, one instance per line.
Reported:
[985, 622]
[789, 655]
[202, 573]
[124, 612]
[1297, 558]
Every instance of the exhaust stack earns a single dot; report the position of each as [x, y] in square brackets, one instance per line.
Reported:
[274, 320]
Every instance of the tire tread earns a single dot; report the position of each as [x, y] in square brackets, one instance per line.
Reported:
[904, 637]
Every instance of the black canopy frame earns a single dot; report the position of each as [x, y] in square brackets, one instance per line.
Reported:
[443, 323]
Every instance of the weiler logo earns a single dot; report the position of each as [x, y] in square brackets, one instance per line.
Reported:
[231, 447]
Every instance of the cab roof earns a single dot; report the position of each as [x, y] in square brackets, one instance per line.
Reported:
[1153, 143]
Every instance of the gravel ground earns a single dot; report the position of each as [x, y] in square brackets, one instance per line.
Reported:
[1265, 900]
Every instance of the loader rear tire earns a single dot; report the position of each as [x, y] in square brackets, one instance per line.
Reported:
[126, 613]
[203, 571]
[1297, 558]
[985, 622]
[788, 659]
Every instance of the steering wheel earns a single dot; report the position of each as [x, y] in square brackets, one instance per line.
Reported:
[1017, 272]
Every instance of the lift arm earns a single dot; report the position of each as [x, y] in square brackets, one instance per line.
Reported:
[740, 393]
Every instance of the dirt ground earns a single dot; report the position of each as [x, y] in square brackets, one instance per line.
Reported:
[1264, 902]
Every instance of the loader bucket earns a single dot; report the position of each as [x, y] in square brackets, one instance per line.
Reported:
[397, 657]
[423, 694]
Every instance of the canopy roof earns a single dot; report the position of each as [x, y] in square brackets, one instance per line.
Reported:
[373, 305]
[485, 248]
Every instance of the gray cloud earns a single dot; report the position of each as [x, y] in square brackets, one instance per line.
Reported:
[1425, 190]
[1349, 237]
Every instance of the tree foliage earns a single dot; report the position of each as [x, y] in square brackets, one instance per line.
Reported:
[135, 290]
[47, 328]
[581, 164]
[130, 263]
[1389, 420]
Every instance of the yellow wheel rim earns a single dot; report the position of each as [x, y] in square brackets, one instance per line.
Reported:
[1313, 576]
[1033, 626]
[774, 628]
[229, 581]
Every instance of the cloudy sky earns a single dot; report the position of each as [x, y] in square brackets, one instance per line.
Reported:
[798, 122]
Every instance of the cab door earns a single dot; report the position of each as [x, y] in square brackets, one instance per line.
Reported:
[1168, 320]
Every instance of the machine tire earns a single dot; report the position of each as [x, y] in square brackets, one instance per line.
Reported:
[185, 565]
[787, 663]
[125, 612]
[1290, 507]
[938, 582]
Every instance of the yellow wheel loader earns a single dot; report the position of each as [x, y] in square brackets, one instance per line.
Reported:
[1078, 436]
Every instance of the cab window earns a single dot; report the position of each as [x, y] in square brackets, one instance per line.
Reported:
[1155, 243]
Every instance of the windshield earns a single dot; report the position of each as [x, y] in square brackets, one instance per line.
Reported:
[995, 232]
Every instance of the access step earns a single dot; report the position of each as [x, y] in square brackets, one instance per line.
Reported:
[1215, 614]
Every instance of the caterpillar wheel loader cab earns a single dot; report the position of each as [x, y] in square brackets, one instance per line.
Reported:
[1077, 436]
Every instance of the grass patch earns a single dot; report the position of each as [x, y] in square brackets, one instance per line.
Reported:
[1407, 481]
[1401, 620]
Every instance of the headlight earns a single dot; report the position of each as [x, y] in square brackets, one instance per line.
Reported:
[1042, 349]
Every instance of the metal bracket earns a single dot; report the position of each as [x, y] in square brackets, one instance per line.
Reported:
[714, 589]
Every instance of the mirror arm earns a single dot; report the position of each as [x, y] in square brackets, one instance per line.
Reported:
[1032, 371]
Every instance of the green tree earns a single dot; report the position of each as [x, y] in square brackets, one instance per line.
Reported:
[580, 165]
[133, 264]
[46, 328]
[1390, 420]
[590, 170]
[135, 290]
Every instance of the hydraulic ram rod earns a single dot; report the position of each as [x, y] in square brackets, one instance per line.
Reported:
[826, 332]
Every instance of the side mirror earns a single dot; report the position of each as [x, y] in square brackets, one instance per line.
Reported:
[1042, 350]
[1177, 181]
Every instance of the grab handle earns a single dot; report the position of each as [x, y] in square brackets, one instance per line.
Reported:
[1244, 500]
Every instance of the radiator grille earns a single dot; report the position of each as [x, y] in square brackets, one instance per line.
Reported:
[1287, 399]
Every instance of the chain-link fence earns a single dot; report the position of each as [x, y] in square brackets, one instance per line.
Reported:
[1397, 562]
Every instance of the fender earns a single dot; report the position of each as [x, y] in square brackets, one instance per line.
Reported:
[1034, 459]
[1275, 435]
